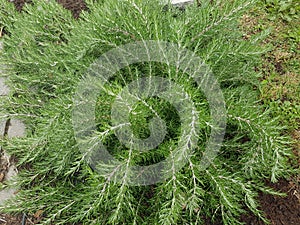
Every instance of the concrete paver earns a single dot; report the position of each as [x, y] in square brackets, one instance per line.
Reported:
[15, 129]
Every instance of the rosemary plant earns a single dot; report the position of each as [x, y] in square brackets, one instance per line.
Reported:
[48, 53]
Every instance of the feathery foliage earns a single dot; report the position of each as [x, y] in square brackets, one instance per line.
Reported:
[47, 53]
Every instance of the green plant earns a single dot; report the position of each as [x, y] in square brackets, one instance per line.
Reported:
[287, 10]
[48, 53]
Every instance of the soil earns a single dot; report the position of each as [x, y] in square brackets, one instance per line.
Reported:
[278, 210]
[76, 6]
[19, 3]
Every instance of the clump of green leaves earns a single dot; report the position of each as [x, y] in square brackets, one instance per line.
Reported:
[48, 53]
[286, 10]
[280, 68]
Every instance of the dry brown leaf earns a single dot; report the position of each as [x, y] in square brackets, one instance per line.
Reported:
[38, 214]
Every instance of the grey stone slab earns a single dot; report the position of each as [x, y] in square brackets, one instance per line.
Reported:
[16, 128]
[10, 191]
[2, 127]
[11, 172]
[6, 194]
[4, 90]
[175, 2]
[3, 87]
[178, 2]
[11, 168]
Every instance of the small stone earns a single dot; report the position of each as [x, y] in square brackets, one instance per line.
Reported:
[16, 128]
[11, 172]
[2, 128]
[6, 194]
[4, 90]
[178, 2]
[174, 2]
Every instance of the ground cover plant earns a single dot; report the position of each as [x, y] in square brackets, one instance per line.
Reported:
[53, 54]
[280, 67]
[280, 83]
